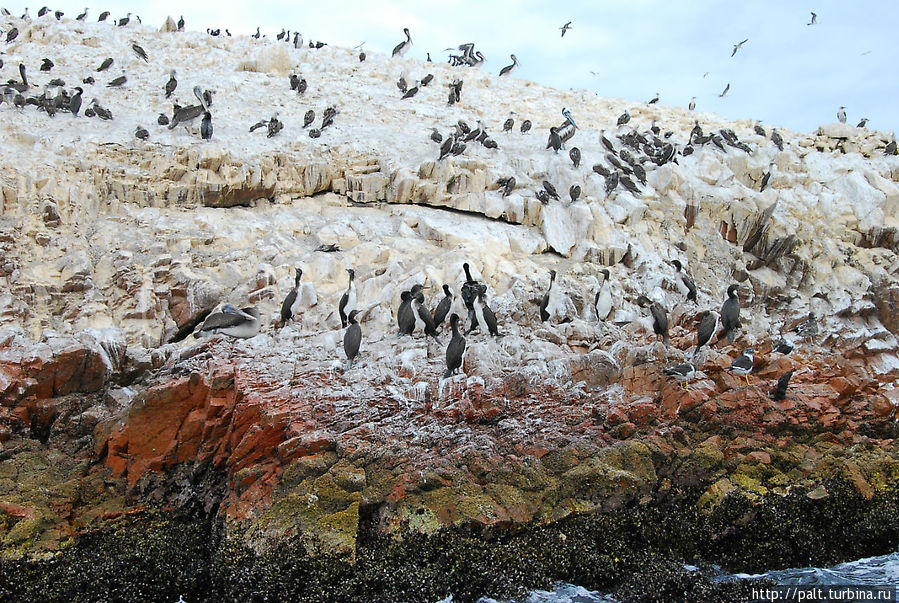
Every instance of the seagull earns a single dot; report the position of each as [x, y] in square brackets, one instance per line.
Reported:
[682, 373]
[841, 114]
[742, 365]
[726, 89]
[565, 28]
[738, 46]
[814, 20]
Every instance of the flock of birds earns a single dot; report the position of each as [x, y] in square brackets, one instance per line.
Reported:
[625, 155]
[413, 316]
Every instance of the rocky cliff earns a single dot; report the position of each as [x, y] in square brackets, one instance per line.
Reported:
[115, 248]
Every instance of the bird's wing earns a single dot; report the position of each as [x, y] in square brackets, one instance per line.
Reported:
[222, 320]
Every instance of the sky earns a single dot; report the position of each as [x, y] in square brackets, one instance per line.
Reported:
[788, 74]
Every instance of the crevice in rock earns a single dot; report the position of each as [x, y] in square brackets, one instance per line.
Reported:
[189, 327]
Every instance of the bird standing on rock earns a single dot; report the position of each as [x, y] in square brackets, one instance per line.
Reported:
[682, 373]
[455, 350]
[403, 47]
[171, 84]
[290, 307]
[352, 338]
[742, 365]
[348, 299]
[730, 313]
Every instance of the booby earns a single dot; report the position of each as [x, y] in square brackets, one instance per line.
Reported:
[606, 142]
[730, 313]
[46, 65]
[274, 126]
[508, 69]
[12, 34]
[692, 104]
[708, 324]
[612, 182]
[508, 185]
[139, 51]
[106, 64]
[784, 346]
[352, 338]
[808, 328]
[455, 349]
[291, 306]
[814, 21]
[427, 80]
[401, 48]
[443, 307]
[602, 302]
[141, 133]
[780, 390]
[575, 155]
[682, 373]
[550, 189]
[206, 126]
[401, 83]
[103, 16]
[525, 126]
[565, 28]
[545, 313]
[738, 47]
[759, 129]
[890, 149]
[410, 92]
[507, 125]
[659, 321]
[348, 299]
[624, 118]
[567, 115]
[308, 118]
[75, 101]
[724, 92]
[862, 123]
[742, 364]
[116, 82]
[686, 279]
[171, 84]
[101, 112]
[841, 115]
[243, 323]
[574, 191]
[777, 139]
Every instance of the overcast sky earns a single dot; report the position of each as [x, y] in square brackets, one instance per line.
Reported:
[788, 74]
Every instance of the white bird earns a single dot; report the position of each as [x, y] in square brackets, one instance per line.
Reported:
[603, 300]
[841, 114]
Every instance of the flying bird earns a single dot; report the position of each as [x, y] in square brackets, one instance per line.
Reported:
[814, 20]
[738, 46]
[565, 28]
[726, 89]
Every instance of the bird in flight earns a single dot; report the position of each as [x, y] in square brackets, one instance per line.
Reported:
[738, 46]
[814, 20]
[726, 88]
[565, 28]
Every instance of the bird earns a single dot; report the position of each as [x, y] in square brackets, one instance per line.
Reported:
[75, 101]
[759, 129]
[555, 141]
[738, 46]
[767, 176]
[784, 346]
[82, 16]
[46, 65]
[808, 328]
[418, 307]
[708, 324]
[841, 115]
[352, 338]
[401, 48]
[206, 126]
[103, 16]
[308, 118]
[443, 307]
[508, 185]
[405, 317]
[101, 112]
[181, 23]
[602, 302]
[427, 80]
[410, 92]
[575, 155]
[574, 191]
[139, 51]
[682, 373]
[290, 307]
[624, 118]
[659, 321]
[485, 315]
[106, 64]
[567, 115]
[862, 123]
[544, 302]
[654, 99]
[230, 321]
[780, 390]
[692, 104]
[814, 20]
[12, 34]
[612, 182]
[777, 139]
[565, 28]
[550, 189]
[724, 92]
[42, 11]
[348, 299]
[141, 133]
[274, 126]
[507, 125]
[469, 290]
[455, 349]
[525, 126]
[508, 69]
[401, 83]
[688, 281]
[730, 313]
[116, 82]
[171, 84]
[124, 20]
[742, 364]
